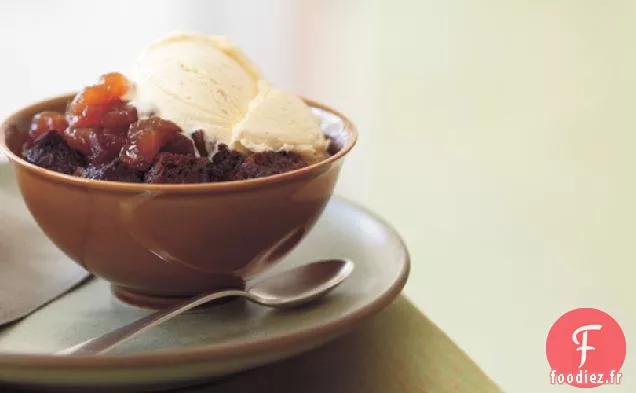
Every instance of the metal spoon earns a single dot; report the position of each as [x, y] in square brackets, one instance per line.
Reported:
[287, 289]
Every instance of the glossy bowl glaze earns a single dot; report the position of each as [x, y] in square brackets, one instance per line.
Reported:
[159, 243]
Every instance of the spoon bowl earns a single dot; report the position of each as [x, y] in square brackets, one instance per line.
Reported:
[300, 286]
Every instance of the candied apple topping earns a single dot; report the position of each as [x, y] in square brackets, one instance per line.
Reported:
[146, 138]
[101, 144]
[91, 104]
[105, 147]
[118, 118]
[79, 139]
[98, 119]
[181, 145]
[44, 122]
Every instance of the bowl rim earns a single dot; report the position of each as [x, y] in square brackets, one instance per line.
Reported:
[349, 128]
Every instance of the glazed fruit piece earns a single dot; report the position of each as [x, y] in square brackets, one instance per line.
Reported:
[44, 122]
[98, 119]
[91, 104]
[181, 145]
[118, 118]
[104, 147]
[146, 138]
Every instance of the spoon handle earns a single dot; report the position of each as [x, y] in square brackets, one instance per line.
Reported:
[104, 343]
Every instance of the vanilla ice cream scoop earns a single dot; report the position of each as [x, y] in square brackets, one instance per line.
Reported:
[280, 121]
[207, 83]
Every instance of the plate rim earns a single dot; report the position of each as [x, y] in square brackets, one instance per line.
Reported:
[228, 351]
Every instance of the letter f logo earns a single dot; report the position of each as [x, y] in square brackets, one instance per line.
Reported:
[583, 344]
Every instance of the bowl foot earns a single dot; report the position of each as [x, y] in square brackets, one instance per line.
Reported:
[156, 302]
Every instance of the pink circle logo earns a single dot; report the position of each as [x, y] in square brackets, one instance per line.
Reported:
[586, 348]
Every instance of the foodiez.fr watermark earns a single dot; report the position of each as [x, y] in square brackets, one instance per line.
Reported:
[586, 348]
[583, 377]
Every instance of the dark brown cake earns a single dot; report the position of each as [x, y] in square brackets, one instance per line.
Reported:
[170, 168]
[199, 143]
[113, 171]
[267, 164]
[51, 151]
[223, 165]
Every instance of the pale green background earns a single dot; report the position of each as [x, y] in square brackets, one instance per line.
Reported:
[502, 147]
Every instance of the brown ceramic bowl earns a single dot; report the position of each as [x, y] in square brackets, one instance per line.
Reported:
[157, 243]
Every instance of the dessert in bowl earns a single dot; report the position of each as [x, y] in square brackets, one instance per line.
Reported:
[189, 175]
